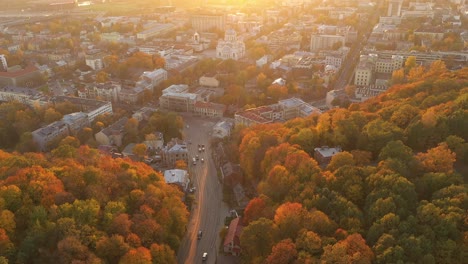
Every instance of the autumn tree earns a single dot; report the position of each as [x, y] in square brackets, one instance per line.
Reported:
[438, 159]
[258, 238]
[283, 252]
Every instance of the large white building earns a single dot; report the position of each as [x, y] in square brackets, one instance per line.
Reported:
[177, 98]
[207, 22]
[149, 79]
[230, 47]
[324, 42]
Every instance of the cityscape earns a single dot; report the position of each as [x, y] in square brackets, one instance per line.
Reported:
[234, 131]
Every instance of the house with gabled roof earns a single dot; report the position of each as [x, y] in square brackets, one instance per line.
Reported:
[231, 243]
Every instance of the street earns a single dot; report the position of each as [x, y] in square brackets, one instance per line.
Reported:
[208, 211]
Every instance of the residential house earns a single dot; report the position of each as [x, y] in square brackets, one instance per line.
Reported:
[231, 174]
[176, 149]
[231, 243]
[324, 154]
[222, 129]
[113, 134]
[177, 177]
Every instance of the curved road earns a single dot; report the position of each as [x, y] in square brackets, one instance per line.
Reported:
[208, 211]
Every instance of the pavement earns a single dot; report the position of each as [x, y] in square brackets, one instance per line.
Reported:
[209, 210]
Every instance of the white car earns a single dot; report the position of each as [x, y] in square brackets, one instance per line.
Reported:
[204, 256]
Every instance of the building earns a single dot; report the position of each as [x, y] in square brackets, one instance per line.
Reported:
[92, 108]
[26, 96]
[15, 76]
[362, 93]
[108, 91]
[131, 95]
[155, 30]
[394, 7]
[149, 79]
[47, 136]
[113, 134]
[3, 63]
[324, 154]
[76, 122]
[94, 59]
[363, 75]
[143, 113]
[230, 47]
[284, 110]
[177, 98]
[177, 177]
[209, 109]
[389, 65]
[209, 81]
[207, 22]
[222, 129]
[231, 243]
[325, 42]
[175, 150]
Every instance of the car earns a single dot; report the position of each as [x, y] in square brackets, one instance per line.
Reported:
[200, 234]
[204, 256]
[196, 157]
[192, 190]
[202, 160]
[199, 149]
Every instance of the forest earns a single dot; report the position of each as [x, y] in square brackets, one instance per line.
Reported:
[76, 206]
[397, 192]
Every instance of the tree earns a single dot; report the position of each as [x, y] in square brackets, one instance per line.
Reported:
[289, 218]
[112, 248]
[162, 254]
[398, 77]
[139, 255]
[282, 253]
[256, 209]
[339, 160]
[410, 63]
[51, 115]
[181, 164]
[310, 242]
[438, 159]
[258, 238]
[102, 77]
[139, 150]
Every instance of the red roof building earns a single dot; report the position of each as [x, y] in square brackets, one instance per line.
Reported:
[232, 239]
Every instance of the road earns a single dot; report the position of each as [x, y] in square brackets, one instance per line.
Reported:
[208, 211]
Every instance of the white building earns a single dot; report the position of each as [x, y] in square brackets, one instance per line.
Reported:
[150, 79]
[76, 122]
[323, 42]
[230, 47]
